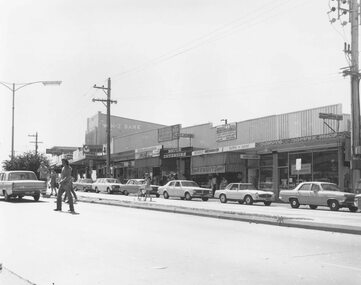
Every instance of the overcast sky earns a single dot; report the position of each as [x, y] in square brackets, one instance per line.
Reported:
[171, 62]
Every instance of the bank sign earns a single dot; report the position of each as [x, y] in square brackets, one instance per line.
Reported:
[145, 152]
[226, 132]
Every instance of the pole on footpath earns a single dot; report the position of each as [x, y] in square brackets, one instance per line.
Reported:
[36, 142]
[349, 11]
[107, 103]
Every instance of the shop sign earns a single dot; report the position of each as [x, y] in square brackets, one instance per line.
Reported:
[300, 139]
[169, 133]
[250, 156]
[305, 169]
[207, 151]
[184, 135]
[152, 151]
[208, 169]
[174, 153]
[226, 132]
[239, 147]
[92, 149]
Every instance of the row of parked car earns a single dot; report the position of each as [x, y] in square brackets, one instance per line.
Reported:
[313, 194]
[24, 183]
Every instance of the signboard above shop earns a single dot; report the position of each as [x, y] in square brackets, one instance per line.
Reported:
[169, 133]
[226, 132]
[152, 151]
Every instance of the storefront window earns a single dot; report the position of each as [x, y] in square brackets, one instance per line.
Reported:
[283, 178]
[266, 171]
[305, 173]
[282, 159]
[325, 166]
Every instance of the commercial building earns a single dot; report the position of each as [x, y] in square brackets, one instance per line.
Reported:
[273, 152]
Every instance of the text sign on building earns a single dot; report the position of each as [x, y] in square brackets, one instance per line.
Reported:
[239, 147]
[92, 149]
[145, 152]
[250, 156]
[298, 164]
[169, 133]
[208, 169]
[226, 132]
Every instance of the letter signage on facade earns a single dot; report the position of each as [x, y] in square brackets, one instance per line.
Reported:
[152, 151]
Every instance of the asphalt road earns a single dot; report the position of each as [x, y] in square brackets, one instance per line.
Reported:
[117, 245]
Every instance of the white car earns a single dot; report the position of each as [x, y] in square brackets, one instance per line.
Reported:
[244, 193]
[107, 185]
[184, 189]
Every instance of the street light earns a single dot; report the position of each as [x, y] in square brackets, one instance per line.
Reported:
[13, 88]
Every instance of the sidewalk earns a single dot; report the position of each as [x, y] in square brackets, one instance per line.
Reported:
[342, 221]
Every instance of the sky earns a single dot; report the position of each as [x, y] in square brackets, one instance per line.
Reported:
[170, 62]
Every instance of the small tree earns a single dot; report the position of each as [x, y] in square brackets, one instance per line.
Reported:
[26, 161]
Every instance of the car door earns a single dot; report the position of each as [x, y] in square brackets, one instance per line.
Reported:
[170, 189]
[233, 191]
[178, 189]
[304, 193]
[315, 195]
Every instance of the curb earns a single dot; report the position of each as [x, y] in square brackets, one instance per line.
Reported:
[281, 221]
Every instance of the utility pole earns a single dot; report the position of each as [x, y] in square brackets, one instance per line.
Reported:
[36, 142]
[107, 103]
[351, 9]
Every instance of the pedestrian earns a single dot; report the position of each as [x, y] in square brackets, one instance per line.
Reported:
[53, 182]
[43, 172]
[224, 183]
[214, 184]
[65, 186]
[73, 193]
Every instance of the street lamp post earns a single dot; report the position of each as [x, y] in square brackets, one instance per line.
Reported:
[15, 87]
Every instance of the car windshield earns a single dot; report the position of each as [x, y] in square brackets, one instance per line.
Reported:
[87, 180]
[111, 181]
[189, 184]
[22, 176]
[330, 187]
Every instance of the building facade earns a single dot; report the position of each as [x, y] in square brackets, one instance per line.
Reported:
[263, 151]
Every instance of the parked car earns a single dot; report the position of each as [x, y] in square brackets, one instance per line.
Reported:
[21, 183]
[244, 193]
[133, 185]
[83, 184]
[184, 189]
[317, 194]
[107, 185]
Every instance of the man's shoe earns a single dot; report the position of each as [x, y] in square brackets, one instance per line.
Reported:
[57, 209]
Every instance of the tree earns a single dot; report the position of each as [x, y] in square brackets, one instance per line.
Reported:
[26, 161]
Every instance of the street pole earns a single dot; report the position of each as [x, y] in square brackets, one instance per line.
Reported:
[355, 99]
[36, 142]
[13, 89]
[351, 9]
[107, 103]
[12, 124]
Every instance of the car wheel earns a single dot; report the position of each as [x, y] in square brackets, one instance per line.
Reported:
[204, 199]
[157, 195]
[6, 196]
[96, 190]
[248, 200]
[188, 196]
[36, 197]
[165, 195]
[353, 209]
[294, 203]
[240, 201]
[313, 207]
[334, 206]
[125, 192]
[20, 197]
[223, 198]
[267, 203]
[108, 191]
[182, 198]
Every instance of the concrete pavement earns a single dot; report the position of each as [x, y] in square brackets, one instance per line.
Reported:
[277, 214]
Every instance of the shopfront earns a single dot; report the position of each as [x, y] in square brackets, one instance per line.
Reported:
[319, 158]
